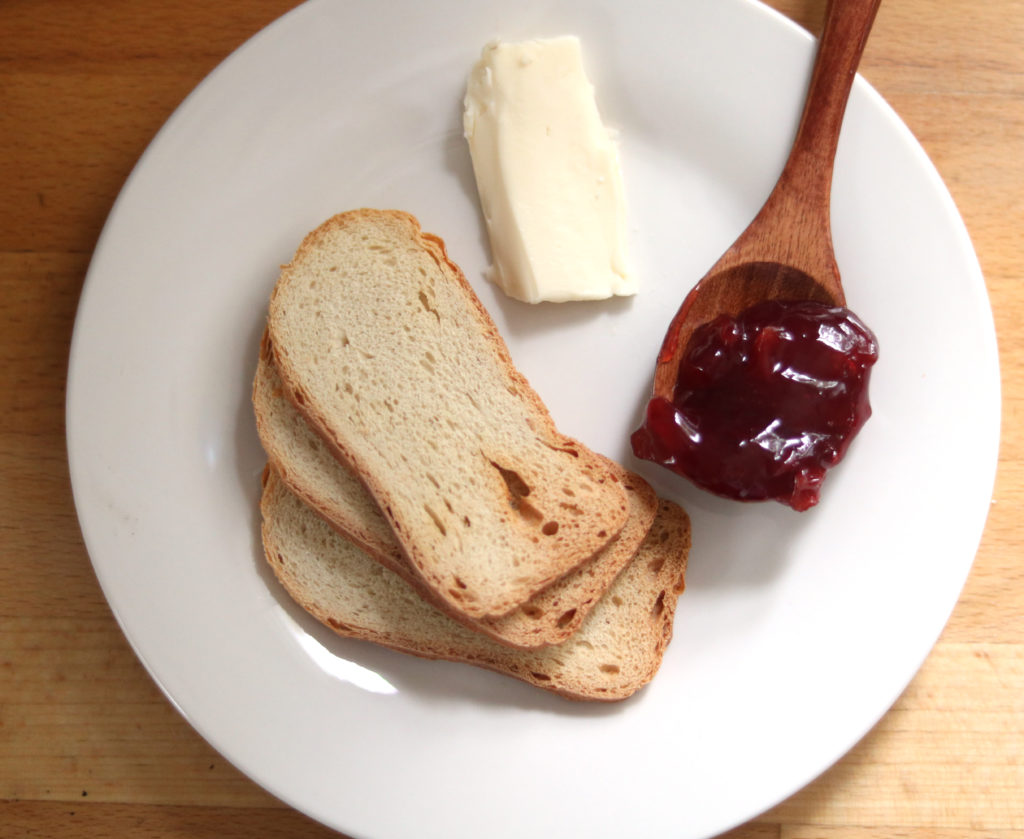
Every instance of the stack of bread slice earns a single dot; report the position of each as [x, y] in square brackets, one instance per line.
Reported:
[418, 494]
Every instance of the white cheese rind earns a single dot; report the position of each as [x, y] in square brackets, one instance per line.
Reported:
[548, 174]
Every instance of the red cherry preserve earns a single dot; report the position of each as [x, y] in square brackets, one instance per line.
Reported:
[765, 402]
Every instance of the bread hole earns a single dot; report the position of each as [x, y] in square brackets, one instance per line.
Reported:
[530, 514]
[280, 560]
[655, 565]
[534, 612]
[518, 490]
[517, 487]
[601, 534]
[433, 480]
[437, 521]
[465, 521]
[610, 668]
[663, 536]
[659, 605]
[550, 528]
[570, 450]
[572, 508]
[616, 600]
[425, 303]
[568, 492]
[566, 618]
[336, 624]
[542, 677]
[299, 397]
[460, 583]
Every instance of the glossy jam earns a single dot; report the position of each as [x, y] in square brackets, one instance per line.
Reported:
[765, 403]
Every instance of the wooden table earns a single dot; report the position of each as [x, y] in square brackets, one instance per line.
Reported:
[88, 745]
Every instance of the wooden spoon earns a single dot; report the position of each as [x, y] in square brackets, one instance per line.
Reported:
[786, 252]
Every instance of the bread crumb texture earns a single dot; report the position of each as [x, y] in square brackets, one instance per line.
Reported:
[385, 350]
[306, 465]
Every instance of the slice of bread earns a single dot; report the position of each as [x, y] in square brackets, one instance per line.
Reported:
[617, 649]
[307, 466]
[384, 347]
[306, 463]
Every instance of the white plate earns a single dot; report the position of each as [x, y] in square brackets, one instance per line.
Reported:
[796, 632]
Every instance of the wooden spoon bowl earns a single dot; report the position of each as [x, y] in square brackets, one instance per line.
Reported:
[786, 252]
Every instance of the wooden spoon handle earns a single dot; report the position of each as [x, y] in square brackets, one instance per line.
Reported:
[809, 167]
[794, 225]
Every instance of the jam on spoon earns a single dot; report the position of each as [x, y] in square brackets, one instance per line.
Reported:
[764, 402]
[761, 381]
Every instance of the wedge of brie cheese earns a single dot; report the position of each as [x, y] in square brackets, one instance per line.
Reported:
[547, 171]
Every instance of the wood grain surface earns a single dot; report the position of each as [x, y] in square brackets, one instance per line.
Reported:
[89, 747]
